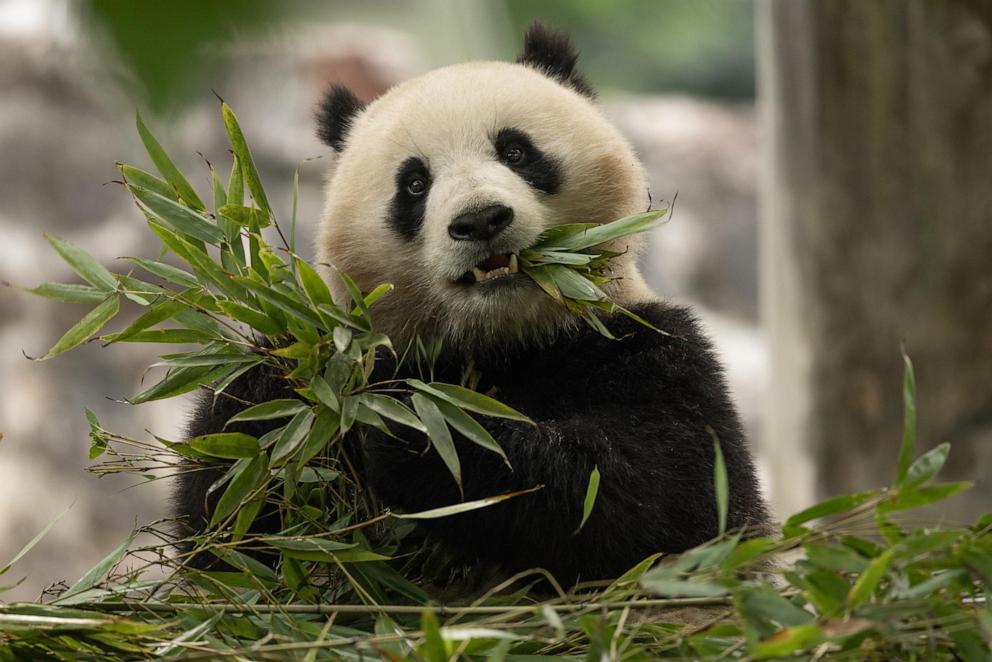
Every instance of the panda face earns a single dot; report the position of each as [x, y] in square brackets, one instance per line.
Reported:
[441, 182]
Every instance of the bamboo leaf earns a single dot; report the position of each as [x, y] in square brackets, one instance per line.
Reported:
[98, 437]
[167, 272]
[834, 506]
[324, 428]
[246, 217]
[909, 420]
[87, 327]
[248, 476]
[141, 292]
[179, 381]
[311, 282]
[601, 234]
[592, 489]
[342, 338]
[167, 168]
[158, 312]
[367, 416]
[139, 177]
[293, 436]
[69, 292]
[763, 603]
[83, 264]
[926, 467]
[349, 410]
[392, 409]
[243, 154]
[934, 584]
[869, 580]
[165, 336]
[209, 359]
[336, 314]
[835, 557]
[353, 290]
[235, 184]
[439, 434]
[307, 544]
[590, 318]
[96, 574]
[228, 445]
[748, 551]
[380, 291]
[228, 379]
[34, 541]
[321, 549]
[324, 393]
[469, 399]
[540, 276]
[217, 189]
[559, 257]
[788, 641]
[464, 507]
[253, 318]
[721, 488]
[922, 496]
[246, 517]
[553, 236]
[177, 216]
[266, 411]
[198, 259]
[679, 588]
[281, 301]
[572, 284]
[433, 648]
[470, 428]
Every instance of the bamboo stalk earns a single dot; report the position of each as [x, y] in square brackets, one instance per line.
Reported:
[440, 610]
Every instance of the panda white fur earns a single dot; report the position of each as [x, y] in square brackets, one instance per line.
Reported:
[436, 186]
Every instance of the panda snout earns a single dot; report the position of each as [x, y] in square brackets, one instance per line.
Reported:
[480, 224]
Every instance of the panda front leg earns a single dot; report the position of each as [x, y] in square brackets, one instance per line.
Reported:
[656, 491]
[643, 409]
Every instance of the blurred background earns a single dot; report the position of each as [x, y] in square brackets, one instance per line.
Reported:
[832, 160]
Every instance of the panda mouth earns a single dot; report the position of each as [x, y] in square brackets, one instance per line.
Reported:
[492, 268]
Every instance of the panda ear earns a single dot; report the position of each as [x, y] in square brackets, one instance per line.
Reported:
[336, 114]
[552, 53]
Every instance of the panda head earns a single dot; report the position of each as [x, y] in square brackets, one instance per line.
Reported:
[438, 184]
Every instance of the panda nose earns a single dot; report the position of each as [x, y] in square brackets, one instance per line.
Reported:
[481, 224]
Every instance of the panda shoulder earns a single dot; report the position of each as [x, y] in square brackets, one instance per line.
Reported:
[675, 341]
[672, 324]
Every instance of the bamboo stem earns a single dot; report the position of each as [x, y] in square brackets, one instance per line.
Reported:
[440, 610]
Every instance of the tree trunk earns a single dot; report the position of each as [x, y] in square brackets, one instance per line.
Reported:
[877, 231]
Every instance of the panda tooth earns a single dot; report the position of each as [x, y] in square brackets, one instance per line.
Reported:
[513, 263]
[479, 274]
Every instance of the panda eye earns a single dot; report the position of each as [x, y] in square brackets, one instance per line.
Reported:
[514, 154]
[416, 186]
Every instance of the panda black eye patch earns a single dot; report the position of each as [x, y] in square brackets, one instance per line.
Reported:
[516, 151]
[406, 211]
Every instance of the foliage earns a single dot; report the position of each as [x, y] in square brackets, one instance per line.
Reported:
[851, 577]
[707, 48]
[163, 49]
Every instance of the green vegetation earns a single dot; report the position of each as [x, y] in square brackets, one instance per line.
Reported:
[851, 577]
[167, 53]
[699, 47]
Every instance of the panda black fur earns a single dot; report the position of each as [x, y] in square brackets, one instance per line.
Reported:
[643, 408]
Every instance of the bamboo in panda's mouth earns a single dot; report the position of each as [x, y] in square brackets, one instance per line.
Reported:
[492, 268]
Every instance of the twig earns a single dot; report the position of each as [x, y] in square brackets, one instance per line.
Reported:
[440, 610]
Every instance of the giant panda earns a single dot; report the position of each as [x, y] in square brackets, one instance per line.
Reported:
[435, 187]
